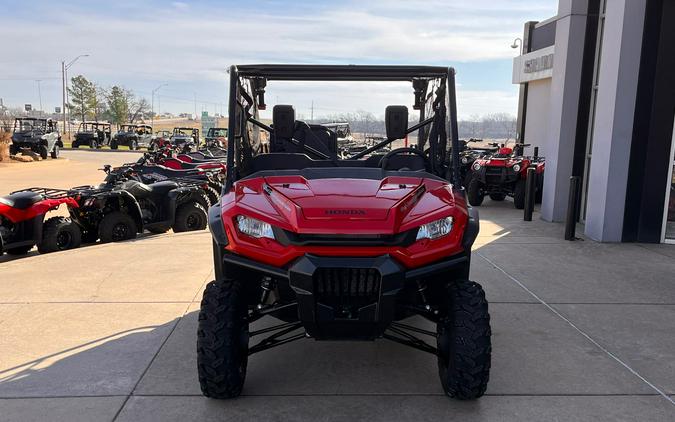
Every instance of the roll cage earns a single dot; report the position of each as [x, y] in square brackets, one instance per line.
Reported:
[434, 97]
[92, 126]
[25, 124]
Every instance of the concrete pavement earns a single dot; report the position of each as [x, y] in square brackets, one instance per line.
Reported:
[581, 331]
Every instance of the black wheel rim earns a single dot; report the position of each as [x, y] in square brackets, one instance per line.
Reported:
[193, 221]
[120, 232]
[63, 240]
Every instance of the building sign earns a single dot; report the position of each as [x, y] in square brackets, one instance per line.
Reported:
[28, 107]
[538, 64]
[533, 66]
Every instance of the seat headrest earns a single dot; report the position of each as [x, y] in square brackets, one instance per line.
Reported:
[283, 121]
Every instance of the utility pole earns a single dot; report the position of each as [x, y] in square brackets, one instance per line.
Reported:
[64, 69]
[63, 77]
[152, 113]
[311, 119]
[195, 106]
[39, 94]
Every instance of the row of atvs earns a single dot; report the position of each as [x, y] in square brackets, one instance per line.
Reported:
[499, 171]
[161, 191]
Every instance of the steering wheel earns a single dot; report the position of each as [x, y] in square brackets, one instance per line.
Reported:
[385, 160]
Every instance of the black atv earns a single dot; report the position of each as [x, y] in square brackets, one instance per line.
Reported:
[121, 207]
[147, 171]
[93, 134]
[133, 136]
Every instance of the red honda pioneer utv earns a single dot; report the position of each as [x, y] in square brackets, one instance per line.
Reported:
[504, 174]
[342, 249]
[23, 225]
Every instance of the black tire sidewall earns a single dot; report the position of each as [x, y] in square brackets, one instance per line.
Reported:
[111, 221]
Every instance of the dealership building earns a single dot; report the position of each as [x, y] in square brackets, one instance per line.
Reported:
[597, 96]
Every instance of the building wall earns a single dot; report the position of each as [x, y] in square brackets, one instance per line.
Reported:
[614, 116]
[536, 127]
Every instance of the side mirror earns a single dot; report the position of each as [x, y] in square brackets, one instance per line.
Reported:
[283, 120]
[396, 121]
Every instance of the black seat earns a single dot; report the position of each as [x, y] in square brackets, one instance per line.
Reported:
[21, 200]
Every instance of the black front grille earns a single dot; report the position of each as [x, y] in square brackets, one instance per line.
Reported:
[346, 289]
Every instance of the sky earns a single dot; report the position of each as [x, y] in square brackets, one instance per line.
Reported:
[189, 45]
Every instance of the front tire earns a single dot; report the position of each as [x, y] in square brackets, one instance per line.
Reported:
[133, 145]
[464, 344]
[42, 150]
[189, 217]
[116, 227]
[55, 152]
[222, 340]
[59, 234]
[475, 192]
[113, 144]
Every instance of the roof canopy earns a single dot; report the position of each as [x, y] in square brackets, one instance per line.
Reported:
[311, 72]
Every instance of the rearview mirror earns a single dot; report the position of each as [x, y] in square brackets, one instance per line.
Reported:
[283, 121]
[396, 121]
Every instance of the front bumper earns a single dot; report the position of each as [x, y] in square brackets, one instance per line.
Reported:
[497, 176]
[347, 297]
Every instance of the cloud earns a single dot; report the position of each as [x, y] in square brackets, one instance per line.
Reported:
[195, 43]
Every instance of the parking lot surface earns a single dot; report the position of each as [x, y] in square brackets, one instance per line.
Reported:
[581, 331]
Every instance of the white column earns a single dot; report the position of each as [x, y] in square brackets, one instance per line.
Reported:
[565, 88]
[614, 116]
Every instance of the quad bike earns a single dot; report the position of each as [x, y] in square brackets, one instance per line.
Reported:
[210, 183]
[342, 249]
[469, 154]
[183, 161]
[23, 224]
[150, 173]
[39, 135]
[505, 174]
[121, 207]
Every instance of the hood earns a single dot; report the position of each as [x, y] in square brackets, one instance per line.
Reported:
[327, 205]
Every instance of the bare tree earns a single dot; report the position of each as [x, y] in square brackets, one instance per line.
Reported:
[138, 109]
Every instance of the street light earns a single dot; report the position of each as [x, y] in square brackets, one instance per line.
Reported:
[515, 44]
[64, 69]
[152, 112]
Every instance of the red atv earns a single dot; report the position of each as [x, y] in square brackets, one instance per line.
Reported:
[342, 248]
[504, 174]
[23, 225]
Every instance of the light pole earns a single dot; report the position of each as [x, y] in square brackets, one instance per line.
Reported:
[152, 112]
[64, 69]
[39, 94]
[515, 44]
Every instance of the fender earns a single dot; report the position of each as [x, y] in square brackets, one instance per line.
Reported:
[134, 208]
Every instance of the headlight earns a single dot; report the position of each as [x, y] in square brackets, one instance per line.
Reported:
[254, 228]
[476, 166]
[435, 229]
[465, 160]
[516, 168]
